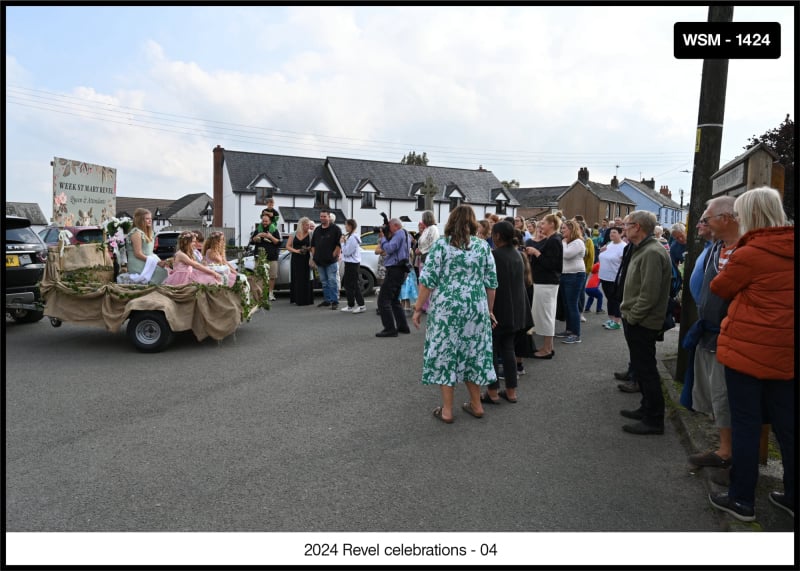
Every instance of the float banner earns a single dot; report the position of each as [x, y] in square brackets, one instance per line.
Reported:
[83, 194]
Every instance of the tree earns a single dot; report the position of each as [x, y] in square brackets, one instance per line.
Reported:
[513, 183]
[413, 158]
[781, 140]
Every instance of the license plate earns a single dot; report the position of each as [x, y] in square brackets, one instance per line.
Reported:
[12, 261]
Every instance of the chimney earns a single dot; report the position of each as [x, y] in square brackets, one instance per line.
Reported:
[217, 184]
[665, 191]
[583, 175]
[615, 182]
[651, 183]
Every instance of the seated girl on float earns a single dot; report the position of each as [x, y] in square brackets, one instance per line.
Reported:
[187, 270]
[214, 256]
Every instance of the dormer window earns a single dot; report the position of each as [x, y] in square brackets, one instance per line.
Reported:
[262, 194]
[501, 207]
[367, 199]
[321, 199]
[455, 201]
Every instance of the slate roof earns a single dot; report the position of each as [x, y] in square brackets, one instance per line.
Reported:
[29, 210]
[655, 196]
[539, 196]
[185, 201]
[399, 181]
[128, 205]
[292, 175]
[607, 192]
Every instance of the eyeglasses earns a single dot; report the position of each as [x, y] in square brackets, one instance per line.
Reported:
[705, 220]
[626, 224]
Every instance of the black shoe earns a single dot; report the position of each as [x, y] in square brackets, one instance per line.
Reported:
[708, 459]
[626, 376]
[779, 499]
[629, 387]
[324, 304]
[334, 306]
[722, 502]
[642, 428]
[404, 330]
[633, 414]
[548, 356]
[599, 311]
[386, 333]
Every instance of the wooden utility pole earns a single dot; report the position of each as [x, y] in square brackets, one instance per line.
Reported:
[708, 145]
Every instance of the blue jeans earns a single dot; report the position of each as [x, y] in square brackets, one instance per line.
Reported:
[327, 276]
[754, 402]
[572, 285]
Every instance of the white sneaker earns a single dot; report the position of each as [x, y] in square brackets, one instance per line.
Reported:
[607, 323]
[583, 319]
[360, 309]
[272, 297]
[347, 309]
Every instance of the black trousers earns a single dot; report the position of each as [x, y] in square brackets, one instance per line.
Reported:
[644, 369]
[393, 316]
[503, 345]
[350, 282]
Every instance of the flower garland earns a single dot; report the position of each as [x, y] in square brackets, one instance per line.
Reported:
[116, 228]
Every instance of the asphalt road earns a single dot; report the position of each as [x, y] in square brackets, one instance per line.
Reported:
[303, 421]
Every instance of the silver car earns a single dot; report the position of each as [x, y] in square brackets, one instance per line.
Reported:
[367, 273]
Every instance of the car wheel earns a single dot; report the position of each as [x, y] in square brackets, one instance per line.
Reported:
[26, 315]
[366, 281]
[149, 331]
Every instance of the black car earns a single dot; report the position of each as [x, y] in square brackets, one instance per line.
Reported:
[26, 255]
[166, 243]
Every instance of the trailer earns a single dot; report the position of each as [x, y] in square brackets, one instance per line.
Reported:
[153, 312]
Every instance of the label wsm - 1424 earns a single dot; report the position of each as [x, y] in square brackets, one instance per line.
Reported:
[727, 40]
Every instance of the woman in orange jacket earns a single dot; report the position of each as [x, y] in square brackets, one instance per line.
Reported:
[757, 344]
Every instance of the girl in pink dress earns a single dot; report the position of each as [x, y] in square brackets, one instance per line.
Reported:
[186, 270]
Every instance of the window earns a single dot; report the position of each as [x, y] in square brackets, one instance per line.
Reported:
[501, 207]
[608, 210]
[262, 194]
[368, 200]
[420, 202]
[321, 199]
[455, 201]
[619, 210]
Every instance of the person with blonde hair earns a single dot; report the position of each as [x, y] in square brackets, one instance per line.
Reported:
[545, 253]
[573, 279]
[301, 290]
[460, 278]
[214, 256]
[139, 242]
[187, 270]
[756, 344]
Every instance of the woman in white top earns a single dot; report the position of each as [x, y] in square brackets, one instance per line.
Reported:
[610, 260]
[573, 278]
[351, 254]
[429, 233]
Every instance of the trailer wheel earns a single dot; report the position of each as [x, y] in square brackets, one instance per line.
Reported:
[55, 322]
[149, 331]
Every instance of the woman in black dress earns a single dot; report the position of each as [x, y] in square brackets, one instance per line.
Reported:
[300, 288]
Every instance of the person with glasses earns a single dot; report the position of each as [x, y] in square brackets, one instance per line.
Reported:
[756, 345]
[644, 304]
[519, 224]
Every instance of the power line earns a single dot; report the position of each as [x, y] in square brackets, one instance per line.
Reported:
[324, 144]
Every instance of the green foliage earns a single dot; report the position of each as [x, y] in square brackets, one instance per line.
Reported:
[412, 158]
[513, 183]
[781, 140]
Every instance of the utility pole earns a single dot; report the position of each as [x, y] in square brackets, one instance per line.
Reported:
[708, 146]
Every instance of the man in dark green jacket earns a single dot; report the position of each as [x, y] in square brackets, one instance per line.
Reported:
[644, 306]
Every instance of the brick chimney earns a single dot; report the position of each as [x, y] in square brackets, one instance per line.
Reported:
[651, 183]
[615, 182]
[583, 175]
[217, 185]
[665, 191]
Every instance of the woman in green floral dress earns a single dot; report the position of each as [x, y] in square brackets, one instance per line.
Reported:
[460, 278]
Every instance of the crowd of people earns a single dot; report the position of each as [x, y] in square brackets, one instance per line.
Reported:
[486, 287]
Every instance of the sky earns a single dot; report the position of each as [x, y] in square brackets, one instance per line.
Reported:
[532, 93]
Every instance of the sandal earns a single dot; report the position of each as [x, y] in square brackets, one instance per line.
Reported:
[504, 395]
[437, 412]
[467, 406]
[485, 398]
